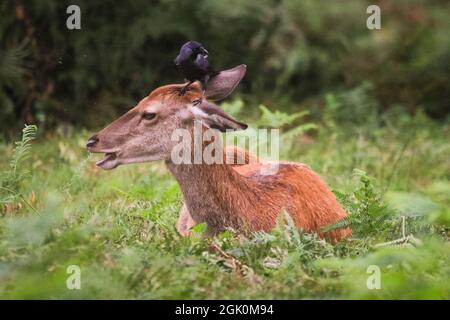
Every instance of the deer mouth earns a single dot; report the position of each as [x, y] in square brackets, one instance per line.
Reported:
[108, 162]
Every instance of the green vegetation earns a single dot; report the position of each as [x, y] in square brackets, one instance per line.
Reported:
[296, 51]
[119, 226]
[367, 109]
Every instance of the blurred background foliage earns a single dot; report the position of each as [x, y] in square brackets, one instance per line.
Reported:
[305, 54]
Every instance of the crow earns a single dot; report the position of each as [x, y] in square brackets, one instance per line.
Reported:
[193, 62]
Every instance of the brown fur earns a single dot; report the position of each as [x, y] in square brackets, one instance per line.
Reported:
[221, 195]
[233, 155]
[242, 198]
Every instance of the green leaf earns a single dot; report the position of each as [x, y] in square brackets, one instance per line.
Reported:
[277, 119]
[200, 228]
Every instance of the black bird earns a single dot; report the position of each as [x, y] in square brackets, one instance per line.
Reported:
[193, 63]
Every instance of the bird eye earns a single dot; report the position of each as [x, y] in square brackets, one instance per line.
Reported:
[149, 115]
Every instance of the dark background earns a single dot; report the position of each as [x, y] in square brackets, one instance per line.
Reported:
[296, 52]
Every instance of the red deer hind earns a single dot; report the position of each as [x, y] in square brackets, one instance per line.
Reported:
[219, 194]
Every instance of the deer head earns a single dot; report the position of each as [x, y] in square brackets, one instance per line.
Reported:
[144, 133]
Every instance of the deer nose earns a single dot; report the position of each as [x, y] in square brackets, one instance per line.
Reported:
[91, 142]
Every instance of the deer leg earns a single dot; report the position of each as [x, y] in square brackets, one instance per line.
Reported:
[185, 222]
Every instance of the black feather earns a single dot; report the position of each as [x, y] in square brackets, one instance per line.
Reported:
[193, 62]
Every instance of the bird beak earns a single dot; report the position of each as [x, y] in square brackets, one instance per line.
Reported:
[205, 51]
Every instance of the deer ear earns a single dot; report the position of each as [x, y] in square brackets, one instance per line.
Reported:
[221, 85]
[215, 118]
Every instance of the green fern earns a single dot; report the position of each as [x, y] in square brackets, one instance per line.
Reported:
[287, 123]
[11, 179]
[277, 119]
[22, 149]
[12, 62]
[368, 216]
[344, 223]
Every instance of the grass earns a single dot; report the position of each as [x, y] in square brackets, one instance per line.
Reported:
[119, 226]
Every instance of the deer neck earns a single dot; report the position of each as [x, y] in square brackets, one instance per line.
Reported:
[214, 193]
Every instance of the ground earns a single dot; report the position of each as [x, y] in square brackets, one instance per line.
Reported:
[118, 226]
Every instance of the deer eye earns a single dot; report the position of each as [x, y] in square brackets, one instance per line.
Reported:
[149, 115]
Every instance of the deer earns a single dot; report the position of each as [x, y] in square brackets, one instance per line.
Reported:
[221, 195]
